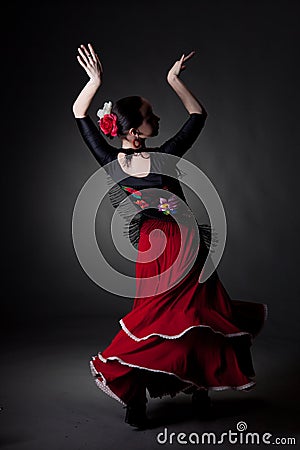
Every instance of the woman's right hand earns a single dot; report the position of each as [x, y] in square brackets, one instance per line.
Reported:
[90, 61]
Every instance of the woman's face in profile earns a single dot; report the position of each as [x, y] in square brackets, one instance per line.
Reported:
[150, 125]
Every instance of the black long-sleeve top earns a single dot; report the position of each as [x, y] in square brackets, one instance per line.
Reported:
[176, 145]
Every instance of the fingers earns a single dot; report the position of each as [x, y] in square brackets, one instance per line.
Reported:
[95, 57]
[189, 56]
[99, 62]
[83, 54]
[88, 57]
[186, 58]
[92, 53]
[81, 62]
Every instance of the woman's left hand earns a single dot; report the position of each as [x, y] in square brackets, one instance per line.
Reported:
[179, 66]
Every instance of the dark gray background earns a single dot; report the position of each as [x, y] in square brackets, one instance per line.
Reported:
[245, 72]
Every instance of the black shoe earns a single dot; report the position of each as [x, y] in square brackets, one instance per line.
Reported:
[136, 415]
[202, 405]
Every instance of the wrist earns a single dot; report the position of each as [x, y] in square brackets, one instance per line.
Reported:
[96, 83]
[172, 79]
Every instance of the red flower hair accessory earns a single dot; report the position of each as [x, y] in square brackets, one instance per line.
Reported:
[108, 120]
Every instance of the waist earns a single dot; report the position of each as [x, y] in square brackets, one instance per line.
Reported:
[151, 204]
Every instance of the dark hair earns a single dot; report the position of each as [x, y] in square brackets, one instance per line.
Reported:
[128, 114]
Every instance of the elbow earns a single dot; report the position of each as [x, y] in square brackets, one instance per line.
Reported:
[201, 111]
[78, 112]
[201, 114]
[204, 113]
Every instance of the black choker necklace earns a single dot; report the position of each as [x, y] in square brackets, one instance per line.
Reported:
[129, 151]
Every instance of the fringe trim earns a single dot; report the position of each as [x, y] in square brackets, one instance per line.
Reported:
[135, 338]
[133, 216]
[208, 236]
[127, 209]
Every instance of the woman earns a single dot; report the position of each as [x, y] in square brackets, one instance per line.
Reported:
[181, 336]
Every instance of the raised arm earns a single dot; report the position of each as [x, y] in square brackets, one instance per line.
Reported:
[189, 132]
[188, 99]
[98, 145]
[186, 136]
[89, 60]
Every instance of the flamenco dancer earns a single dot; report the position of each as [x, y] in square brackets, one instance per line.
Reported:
[190, 337]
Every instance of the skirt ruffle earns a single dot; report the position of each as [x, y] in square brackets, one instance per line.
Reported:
[190, 336]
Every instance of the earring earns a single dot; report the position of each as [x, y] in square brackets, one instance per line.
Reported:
[136, 143]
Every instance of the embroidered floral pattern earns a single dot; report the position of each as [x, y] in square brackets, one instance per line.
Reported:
[136, 194]
[168, 206]
[165, 206]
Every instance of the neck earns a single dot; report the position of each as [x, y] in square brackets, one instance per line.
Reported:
[128, 145]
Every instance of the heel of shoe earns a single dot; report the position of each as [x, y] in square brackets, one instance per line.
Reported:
[202, 404]
[136, 415]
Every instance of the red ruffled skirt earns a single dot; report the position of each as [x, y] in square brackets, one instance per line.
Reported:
[177, 339]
